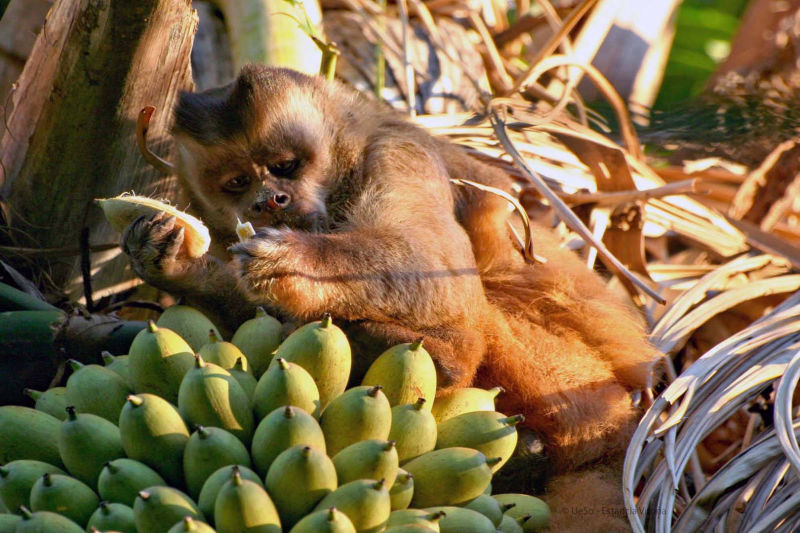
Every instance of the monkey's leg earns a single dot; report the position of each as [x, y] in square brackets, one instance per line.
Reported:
[568, 394]
[573, 300]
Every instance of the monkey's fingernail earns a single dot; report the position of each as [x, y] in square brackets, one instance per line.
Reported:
[167, 222]
[175, 234]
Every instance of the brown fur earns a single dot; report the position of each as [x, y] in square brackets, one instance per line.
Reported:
[376, 234]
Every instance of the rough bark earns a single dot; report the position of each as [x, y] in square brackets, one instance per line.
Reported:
[71, 134]
[19, 26]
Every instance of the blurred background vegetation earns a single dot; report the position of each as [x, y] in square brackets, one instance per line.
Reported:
[704, 29]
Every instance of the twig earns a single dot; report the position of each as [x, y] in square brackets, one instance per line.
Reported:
[551, 45]
[330, 55]
[527, 247]
[618, 197]
[55, 252]
[380, 59]
[696, 471]
[561, 209]
[525, 24]
[61, 366]
[11, 92]
[86, 268]
[711, 174]
[566, 46]
[142, 125]
[492, 54]
[730, 450]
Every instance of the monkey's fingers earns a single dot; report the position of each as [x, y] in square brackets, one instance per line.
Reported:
[131, 234]
[163, 218]
[243, 249]
[170, 245]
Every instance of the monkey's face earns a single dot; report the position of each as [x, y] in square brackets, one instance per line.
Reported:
[258, 150]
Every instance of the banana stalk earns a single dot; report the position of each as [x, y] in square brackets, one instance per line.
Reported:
[35, 344]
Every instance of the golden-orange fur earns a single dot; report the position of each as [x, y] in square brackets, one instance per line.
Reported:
[370, 228]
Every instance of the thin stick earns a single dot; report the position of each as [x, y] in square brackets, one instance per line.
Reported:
[86, 268]
[139, 304]
[618, 197]
[525, 24]
[10, 94]
[711, 174]
[142, 126]
[55, 252]
[330, 54]
[566, 46]
[561, 209]
[380, 60]
[696, 471]
[491, 51]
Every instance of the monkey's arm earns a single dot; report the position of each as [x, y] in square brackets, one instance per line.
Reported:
[361, 274]
[400, 256]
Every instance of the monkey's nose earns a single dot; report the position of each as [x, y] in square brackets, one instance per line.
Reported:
[279, 200]
[275, 202]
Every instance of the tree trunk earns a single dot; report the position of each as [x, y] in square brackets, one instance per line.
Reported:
[19, 26]
[71, 135]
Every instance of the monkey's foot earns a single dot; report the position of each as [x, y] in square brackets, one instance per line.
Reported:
[528, 470]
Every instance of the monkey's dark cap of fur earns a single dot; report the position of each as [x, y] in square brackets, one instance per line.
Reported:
[221, 112]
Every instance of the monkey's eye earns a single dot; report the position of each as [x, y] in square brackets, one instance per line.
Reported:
[284, 168]
[237, 184]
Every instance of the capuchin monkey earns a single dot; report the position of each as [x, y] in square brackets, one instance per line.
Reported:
[356, 215]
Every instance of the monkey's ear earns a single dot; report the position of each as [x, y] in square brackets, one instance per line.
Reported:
[221, 113]
[199, 115]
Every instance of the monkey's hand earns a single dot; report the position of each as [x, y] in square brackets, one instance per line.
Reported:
[261, 261]
[153, 245]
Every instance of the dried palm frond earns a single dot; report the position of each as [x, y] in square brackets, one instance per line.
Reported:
[661, 466]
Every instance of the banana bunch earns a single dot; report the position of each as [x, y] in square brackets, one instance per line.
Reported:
[188, 432]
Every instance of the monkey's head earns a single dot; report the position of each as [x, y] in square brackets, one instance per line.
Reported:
[265, 149]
